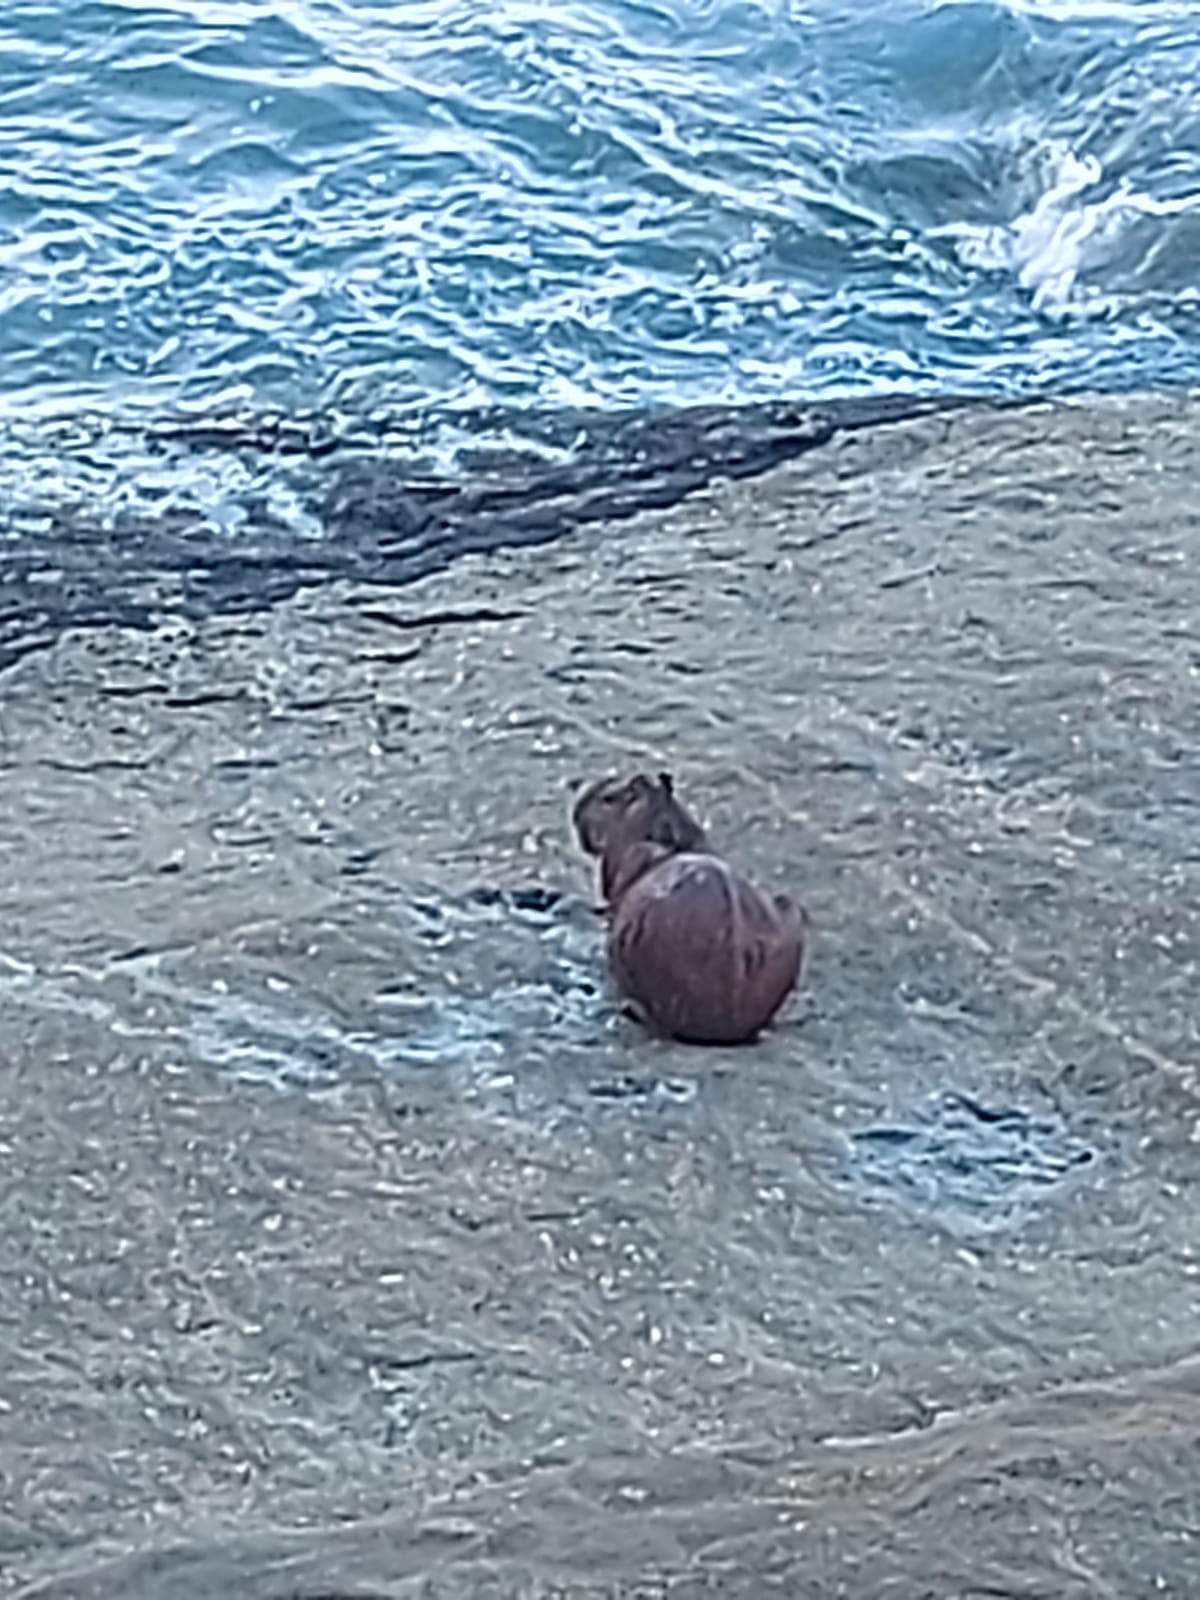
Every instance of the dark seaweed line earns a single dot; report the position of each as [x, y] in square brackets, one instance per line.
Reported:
[388, 528]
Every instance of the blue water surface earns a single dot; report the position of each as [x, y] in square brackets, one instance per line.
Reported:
[358, 207]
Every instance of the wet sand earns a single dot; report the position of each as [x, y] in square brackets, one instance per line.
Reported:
[355, 1244]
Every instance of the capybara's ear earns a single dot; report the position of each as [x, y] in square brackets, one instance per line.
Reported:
[666, 783]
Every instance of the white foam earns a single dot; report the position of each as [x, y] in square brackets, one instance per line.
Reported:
[1070, 228]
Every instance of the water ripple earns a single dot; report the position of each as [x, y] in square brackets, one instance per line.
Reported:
[607, 203]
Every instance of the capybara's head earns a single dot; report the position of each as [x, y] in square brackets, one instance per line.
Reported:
[614, 813]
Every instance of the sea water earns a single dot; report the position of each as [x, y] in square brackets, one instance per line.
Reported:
[351, 207]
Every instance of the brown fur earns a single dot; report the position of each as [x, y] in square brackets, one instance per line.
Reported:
[699, 953]
[614, 814]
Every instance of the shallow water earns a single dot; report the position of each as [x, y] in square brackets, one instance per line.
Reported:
[359, 210]
[354, 1243]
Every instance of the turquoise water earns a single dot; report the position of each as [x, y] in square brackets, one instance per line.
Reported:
[357, 207]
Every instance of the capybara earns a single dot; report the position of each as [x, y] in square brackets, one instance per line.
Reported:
[698, 952]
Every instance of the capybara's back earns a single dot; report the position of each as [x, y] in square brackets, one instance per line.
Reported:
[702, 954]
